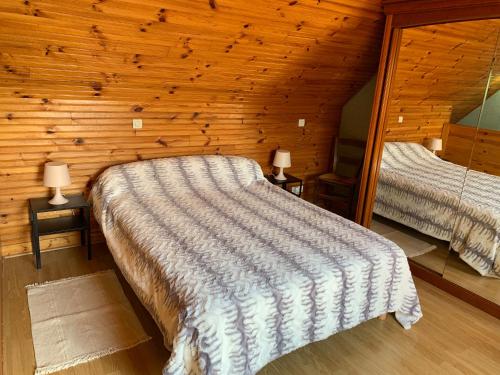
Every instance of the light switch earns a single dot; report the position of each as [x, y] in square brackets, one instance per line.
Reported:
[400, 119]
[302, 122]
[137, 123]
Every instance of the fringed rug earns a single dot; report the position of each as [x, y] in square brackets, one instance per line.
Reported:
[79, 319]
[413, 244]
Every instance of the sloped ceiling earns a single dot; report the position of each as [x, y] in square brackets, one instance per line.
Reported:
[442, 73]
[447, 64]
[139, 49]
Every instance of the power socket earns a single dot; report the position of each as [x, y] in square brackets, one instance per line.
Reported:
[137, 123]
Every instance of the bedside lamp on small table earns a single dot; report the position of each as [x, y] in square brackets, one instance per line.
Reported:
[56, 175]
[281, 160]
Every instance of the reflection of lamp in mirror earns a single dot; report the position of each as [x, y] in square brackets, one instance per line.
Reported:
[434, 144]
[282, 160]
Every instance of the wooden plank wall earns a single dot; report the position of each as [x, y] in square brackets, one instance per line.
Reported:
[485, 153]
[441, 76]
[224, 76]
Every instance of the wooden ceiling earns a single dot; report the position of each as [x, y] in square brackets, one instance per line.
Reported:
[206, 76]
[447, 63]
[441, 75]
[140, 49]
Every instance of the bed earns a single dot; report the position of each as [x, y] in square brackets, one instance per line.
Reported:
[444, 200]
[236, 271]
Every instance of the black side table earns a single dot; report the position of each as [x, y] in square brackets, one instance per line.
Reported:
[284, 184]
[42, 227]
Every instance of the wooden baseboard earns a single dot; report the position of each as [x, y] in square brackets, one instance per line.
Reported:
[465, 295]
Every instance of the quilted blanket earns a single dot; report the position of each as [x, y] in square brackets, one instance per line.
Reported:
[236, 271]
[477, 227]
[443, 200]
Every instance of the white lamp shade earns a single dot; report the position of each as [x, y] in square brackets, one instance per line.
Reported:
[56, 174]
[434, 144]
[282, 159]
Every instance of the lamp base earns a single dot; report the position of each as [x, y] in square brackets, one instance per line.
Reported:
[58, 198]
[281, 176]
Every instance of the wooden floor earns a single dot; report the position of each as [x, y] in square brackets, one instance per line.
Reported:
[434, 260]
[452, 338]
[460, 273]
[446, 262]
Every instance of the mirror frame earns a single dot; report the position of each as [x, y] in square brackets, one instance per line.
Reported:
[403, 14]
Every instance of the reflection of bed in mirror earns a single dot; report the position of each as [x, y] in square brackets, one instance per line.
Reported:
[418, 189]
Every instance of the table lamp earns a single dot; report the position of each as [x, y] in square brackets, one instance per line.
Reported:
[56, 175]
[434, 144]
[281, 160]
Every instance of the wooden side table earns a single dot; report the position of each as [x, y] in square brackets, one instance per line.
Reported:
[42, 227]
[284, 184]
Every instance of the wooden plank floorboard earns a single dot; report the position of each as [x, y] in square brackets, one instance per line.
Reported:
[147, 358]
[452, 338]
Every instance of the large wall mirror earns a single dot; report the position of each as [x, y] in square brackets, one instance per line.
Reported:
[438, 189]
[475, 265]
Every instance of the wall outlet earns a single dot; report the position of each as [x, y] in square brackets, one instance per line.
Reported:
[302, 122]
[400, 119]
[297, 189]
[137, 123]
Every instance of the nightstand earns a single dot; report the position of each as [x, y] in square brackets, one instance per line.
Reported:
[284, 184]
[42, 227]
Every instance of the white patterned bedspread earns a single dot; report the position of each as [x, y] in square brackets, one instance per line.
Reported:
[238, 272]
[420, 190]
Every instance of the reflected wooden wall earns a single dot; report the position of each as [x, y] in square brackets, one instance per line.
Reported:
[224, 76]
[442, 72]
[458, 145]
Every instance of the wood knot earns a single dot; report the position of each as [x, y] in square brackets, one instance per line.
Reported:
[161, 15]
[96, 86]
[9, 69]
[162, 142]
